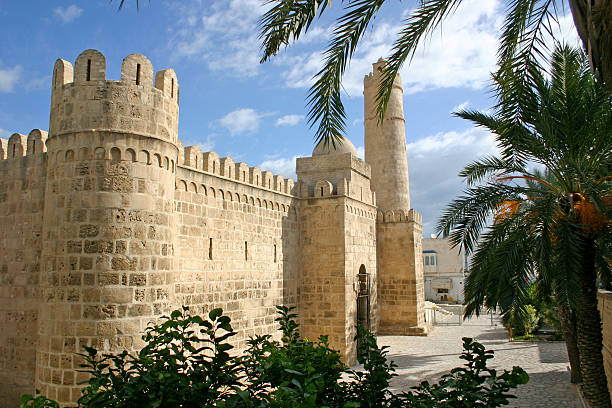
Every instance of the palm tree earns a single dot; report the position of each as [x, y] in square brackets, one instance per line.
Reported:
[521, 41]
[551, 225]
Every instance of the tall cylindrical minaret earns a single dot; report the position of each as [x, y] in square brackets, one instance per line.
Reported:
[401, 296]
[385, 144]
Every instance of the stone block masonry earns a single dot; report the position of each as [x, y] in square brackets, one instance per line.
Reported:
[108, 222]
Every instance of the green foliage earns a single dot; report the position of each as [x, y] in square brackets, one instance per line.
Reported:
[521, 324]
[186, 364]
[542, 219]
[37, 401]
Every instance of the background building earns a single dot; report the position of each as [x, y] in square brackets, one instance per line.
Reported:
[445, 271]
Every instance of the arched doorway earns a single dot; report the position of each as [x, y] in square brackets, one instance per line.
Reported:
[363, 298]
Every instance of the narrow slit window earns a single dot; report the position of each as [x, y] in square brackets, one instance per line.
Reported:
[14, 150]
[210, 248]
[246, 251]
[137, 74]
[275, 257]
[88, 70]
[33, 147]
[172, 89]
[243, 175]
[321, 191]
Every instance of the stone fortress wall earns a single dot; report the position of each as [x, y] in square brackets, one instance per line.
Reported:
[108, 222]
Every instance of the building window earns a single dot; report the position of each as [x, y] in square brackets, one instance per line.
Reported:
[246, 251]
[440, 291]
[426, 261]
[275, 258]
[210, 248]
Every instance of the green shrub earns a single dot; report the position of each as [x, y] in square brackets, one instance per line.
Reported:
[473, 385]
[521, 323]
[186, 364]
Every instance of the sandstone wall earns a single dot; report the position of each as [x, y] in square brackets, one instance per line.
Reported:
[605, 309]
[22, 189]
[401, 294]
[237, 246]
[109, 265]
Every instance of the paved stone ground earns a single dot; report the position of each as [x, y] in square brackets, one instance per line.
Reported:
[421, 358]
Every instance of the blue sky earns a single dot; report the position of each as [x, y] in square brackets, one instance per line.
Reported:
[255, 113]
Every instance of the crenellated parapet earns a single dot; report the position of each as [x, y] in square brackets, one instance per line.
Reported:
[393, 216]
[141, 102]
[225, 167]
[19, 145]
[3, 148]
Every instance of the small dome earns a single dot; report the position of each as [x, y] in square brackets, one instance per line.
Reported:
[343, 146]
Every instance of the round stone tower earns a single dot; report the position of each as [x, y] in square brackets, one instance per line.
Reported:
[399, 254]
[108, 244]
[385, 144]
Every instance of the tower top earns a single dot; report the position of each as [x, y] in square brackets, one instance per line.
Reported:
[141, 102]
[373, 78]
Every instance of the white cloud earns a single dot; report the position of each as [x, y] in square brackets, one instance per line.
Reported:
[9, 78]
[38, 83]
[461, 55]
[282, 165]
[434, 163]
[461, 106]
[207, 145]
[222, 33]
[68, 14]
[242, 121]
[361, 152]
[289, 120]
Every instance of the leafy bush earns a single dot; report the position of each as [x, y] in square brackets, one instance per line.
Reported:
[473, 385]
[186, 364]
[521, 323]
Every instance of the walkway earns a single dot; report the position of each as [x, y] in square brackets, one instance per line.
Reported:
[427, 358]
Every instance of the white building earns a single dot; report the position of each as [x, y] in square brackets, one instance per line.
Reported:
[444, 271]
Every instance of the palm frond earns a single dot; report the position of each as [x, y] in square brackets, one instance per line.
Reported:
[487, 167]
[501, 269]
[523, 44]
[423, 21]
[285, 21]
[324, 101]
[464, 218]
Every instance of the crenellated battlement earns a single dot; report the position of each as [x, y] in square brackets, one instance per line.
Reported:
[209, 162]
[18, 145]
[373, 78]
[142, 102]
[391, 216]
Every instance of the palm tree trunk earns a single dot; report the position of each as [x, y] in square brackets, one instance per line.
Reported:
[592, 20]
[594, 385]
[567, 318]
